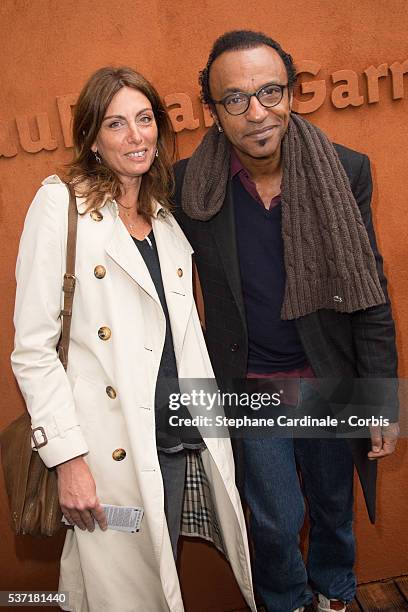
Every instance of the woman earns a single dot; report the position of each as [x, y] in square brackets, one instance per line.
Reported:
[134, 325]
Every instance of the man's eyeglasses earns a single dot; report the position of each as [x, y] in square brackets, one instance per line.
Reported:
[237, 103]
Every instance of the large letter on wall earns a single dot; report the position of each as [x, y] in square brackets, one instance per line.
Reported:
[182, 118]
[7, 147]
[347, 94]
[317, 88]
[398, 70]
[373, 75]
[65, 104]
[45, 140]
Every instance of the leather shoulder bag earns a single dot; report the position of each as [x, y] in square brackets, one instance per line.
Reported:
[32, 488]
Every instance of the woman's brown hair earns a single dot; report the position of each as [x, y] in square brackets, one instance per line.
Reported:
[94, 180]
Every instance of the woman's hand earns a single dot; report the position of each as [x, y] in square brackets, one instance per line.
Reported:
[77, 495]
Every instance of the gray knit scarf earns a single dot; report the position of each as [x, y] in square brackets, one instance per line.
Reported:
[329, 262]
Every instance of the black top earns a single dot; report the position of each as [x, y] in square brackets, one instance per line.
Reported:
[273, 344]
[169, 439]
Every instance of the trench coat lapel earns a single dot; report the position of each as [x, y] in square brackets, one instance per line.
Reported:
[121, 248]
[223, 229]
[176, 268]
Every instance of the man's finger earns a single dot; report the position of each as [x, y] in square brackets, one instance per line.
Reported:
[389, 438]
[376, 439]
[381, 454]
[389, 445]
[391, 431]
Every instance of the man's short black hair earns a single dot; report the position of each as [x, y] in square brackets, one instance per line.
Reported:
[242, 39]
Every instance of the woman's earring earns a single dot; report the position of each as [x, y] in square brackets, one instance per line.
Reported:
[219, 128]
[97, 157]
[157, 153]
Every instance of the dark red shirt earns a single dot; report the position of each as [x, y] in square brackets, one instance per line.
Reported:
[248, 183]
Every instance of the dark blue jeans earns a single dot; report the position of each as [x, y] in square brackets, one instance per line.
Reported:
[275, 497]
[173, 470]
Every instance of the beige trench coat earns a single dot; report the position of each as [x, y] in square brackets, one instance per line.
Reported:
[107, 571]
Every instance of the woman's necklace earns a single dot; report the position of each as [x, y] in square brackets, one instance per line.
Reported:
[127, 214]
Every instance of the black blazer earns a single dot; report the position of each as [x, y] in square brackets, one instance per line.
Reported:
[337, 345]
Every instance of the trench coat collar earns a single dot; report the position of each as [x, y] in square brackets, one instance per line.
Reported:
[158, 209]
[174, 255]
[175, 263]
[107, 200]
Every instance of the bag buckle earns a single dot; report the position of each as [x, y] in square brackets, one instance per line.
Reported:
[69, 283]
[41, 430]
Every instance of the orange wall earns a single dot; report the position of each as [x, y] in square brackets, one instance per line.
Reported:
[49, 48]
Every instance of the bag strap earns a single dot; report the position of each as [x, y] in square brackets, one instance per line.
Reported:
[69, 278]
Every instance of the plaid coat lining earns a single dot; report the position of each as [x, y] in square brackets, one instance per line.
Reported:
[199, 518]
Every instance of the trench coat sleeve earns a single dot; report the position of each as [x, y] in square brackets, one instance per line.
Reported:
[40, 374]
[373, 328]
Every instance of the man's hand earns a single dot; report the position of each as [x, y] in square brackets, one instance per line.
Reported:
[77, 495]
[383, 440]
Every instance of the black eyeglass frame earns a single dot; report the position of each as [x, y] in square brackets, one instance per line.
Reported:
[251, 95]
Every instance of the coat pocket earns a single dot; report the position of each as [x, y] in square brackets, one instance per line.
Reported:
[88, 395]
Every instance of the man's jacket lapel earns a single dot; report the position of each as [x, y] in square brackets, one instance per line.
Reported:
[223, 230]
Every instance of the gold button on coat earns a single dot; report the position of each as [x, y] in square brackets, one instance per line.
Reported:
[96, 215]
[104, 333]
[180, 272]
[110, 391]
[99, 271]
[119, 454]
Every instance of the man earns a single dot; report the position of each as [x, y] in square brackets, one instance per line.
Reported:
[293, 286]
